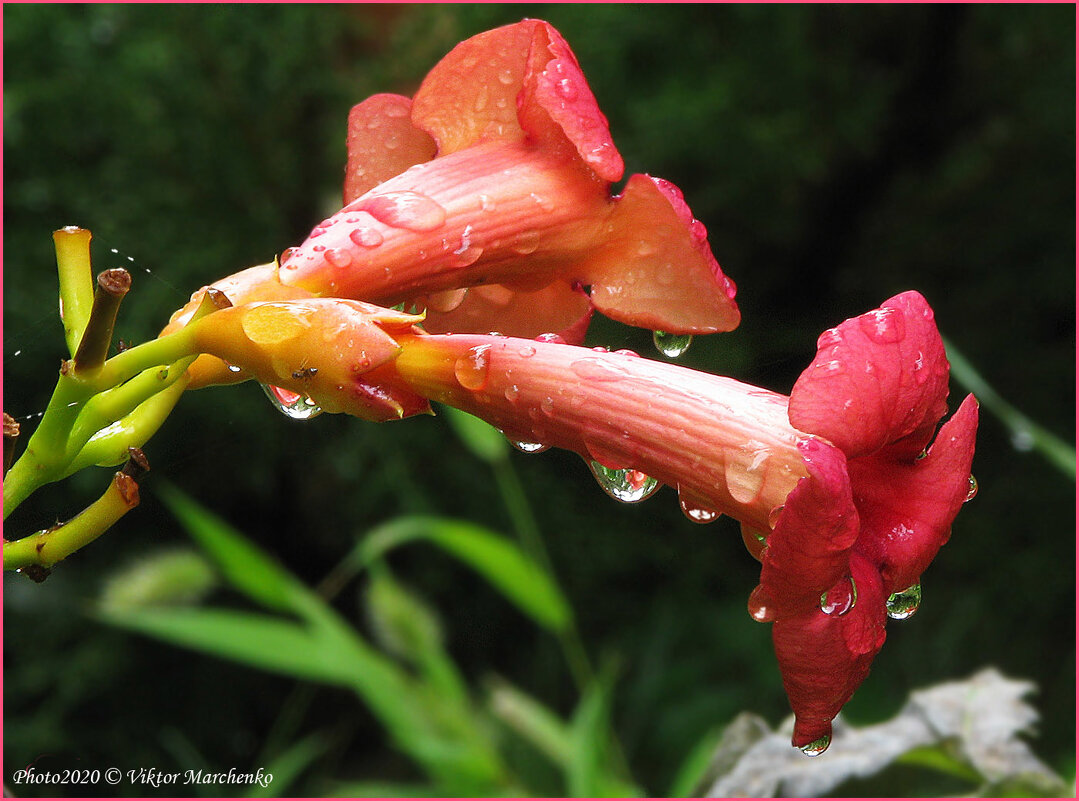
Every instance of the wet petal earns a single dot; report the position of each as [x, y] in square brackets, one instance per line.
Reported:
[470, 96]
[656, 269]
[809, 549]
[558, 308]
[382, 142]
[877, 379]
[824, 658]
[907, 508]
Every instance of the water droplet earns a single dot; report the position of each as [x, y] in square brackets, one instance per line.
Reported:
[972, 490]
[527, 352]
[594, 369]
[405, 209]
[547, 406]
[904, 603]
[472, 368]
[529, 447]
[338, 257]
[883, 326]
[527, 243]
[286, 254]
[232, 368]
[366, 237]
[759, 605]
[567, 89]
[551, 338]
[829, 339]
[293, 406]
[481, 98]
[834, 367]
[505, 77]
[466, 252]
[626, 485]
[840, 599]
[694, 511]
[486, 204]
[818, 746]
[544, 202]
[671, 345]
[512, 393]
[774, 515]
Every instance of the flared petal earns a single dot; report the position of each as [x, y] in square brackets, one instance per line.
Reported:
[382, 143]
[823, 658]
[907, 508]
[809, 549]
[877, 380]
[656, 269]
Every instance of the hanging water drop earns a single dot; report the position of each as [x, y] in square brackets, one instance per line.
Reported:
[818, 746]
[759, 605]
[904, 603]
[695, 511]
[840, 599]
[290, 404]
[972, 491]
[624, 484]
[529, 447]
[774, 515]
[671, 345]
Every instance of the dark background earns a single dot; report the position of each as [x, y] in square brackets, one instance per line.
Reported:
[838, 155]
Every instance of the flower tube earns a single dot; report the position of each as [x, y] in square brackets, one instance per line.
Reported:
[843, 492]
[487, 200]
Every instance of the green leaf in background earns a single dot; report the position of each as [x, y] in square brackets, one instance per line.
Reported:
[484, 440]
[261, 641]
[380, 790]
[246, 567]
[589, 773]
[494, 557]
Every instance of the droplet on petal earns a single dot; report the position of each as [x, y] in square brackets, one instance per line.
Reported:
[774, 515]
[338, 257]
[883, 326]
[904, 603]
[551, 338]
[973, 490]
[841, 598]
[290, 404]
[446, 301]
[694, 511]
[626, 485]
[366, 237]
[472, 368]
[818, 746]
[671, 345]
[406, 209]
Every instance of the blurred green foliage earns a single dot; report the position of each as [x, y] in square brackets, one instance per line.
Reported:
[838, 155]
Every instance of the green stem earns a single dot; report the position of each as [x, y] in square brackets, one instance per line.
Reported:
[524, 523]
[46, 548]
[1026, 434]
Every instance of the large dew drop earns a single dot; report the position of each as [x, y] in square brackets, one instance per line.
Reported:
[472, 369]
[695, 511]
[409, 210]
[840, 599]
[904, 603]
[626, 485]
[293, 406]
[529, 447]
[671, 345]
[759, 606]
[818, 746]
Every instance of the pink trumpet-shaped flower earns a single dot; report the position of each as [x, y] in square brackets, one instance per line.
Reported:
[486, 200]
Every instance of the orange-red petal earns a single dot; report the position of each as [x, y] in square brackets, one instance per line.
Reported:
[382, 142]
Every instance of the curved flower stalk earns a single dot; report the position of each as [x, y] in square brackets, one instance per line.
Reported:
[486, 200]
[840, 494]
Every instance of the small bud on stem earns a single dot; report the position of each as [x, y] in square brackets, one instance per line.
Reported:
[11, 434]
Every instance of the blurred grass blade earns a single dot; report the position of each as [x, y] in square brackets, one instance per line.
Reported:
[245, 566]
[164, 577]
[484, 440]
[521, 580]
[693, 771]
[287, 766]
[258, 640]
[589, 774]
[533, 721]
[1026, 434]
